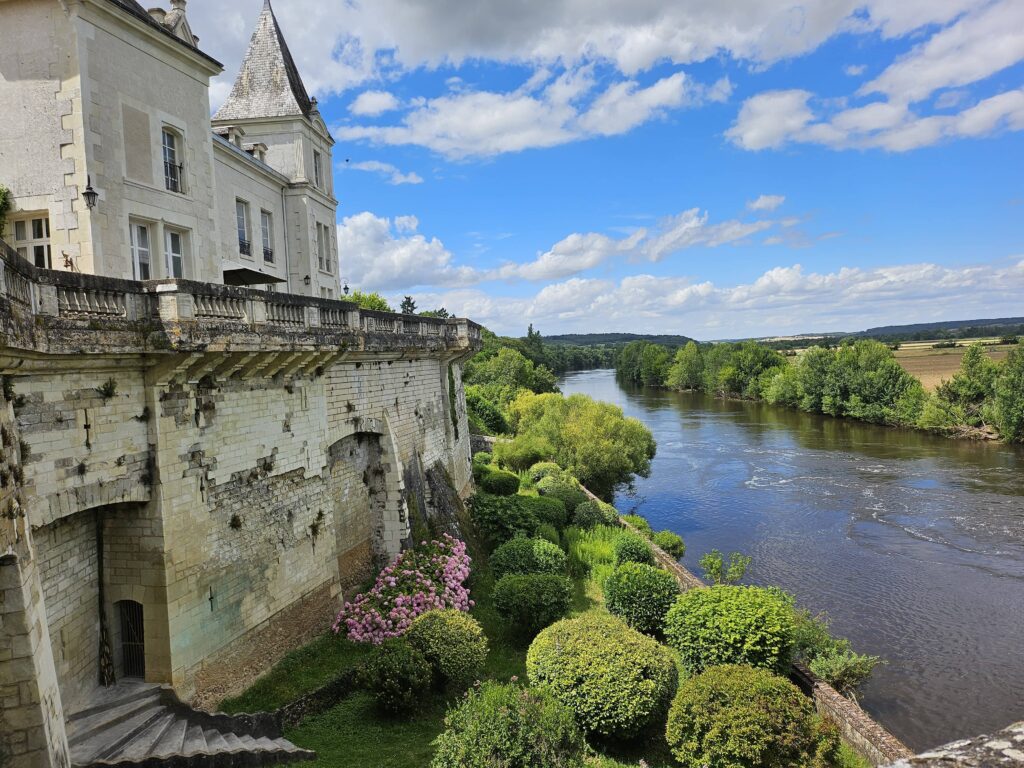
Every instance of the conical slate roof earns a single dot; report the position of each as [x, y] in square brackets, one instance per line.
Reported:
[268, 82]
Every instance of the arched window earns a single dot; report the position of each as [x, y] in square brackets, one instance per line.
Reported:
[174, 154]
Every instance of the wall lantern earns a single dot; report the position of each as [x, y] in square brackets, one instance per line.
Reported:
[90, 194]
[306, 280]
[345, 289]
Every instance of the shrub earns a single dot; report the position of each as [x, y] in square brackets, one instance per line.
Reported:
[640, 523]
[499, 482]
[482, 458]
[731, 625]
[544, 468]
[548, 532]
[737, 716]
[500, 518]
[633, 548]
[545, 509]
[421, 579]
[828, 657]
[592, 550]
[641, 595]
[531, 601]
[522, 555]
[523, 452]
[591, 513]
[564, 488]
[670, 542]
[718, 572]
[397, 675]
[505, 726]
[452, 642]
[617, 681]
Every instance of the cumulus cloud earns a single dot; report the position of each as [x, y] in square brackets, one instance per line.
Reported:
[785, 299]
[855, 70]
[373, 103]
[390, 172]
[766, 202]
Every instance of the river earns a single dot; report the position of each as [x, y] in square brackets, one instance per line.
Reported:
[913, 544]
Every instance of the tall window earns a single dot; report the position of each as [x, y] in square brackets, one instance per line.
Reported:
[32, 240]
[142, 253]
[322, 247]
[318, 170]
[267, 230]
[242, 218]
[175, 252]
[172, 161]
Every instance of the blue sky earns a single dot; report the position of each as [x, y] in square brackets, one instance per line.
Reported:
[717, 168]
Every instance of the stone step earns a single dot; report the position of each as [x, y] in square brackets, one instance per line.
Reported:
[173, 739]
[141, 746]
[215, 742]
[98, 718]
[105, 742]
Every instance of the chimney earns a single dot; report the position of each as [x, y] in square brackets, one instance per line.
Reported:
[158, 15]
[178, 5]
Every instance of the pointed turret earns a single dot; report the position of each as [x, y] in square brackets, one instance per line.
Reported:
[268, 82]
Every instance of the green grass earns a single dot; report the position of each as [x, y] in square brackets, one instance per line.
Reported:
[850, 759]
[298, 673]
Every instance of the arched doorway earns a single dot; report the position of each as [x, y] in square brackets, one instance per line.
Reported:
[131, 637]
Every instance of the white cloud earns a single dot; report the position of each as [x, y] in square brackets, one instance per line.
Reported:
[378, 256]
[393, 174]
[855, 70]
[768, 120]
[766, 202]
[373, 103]
[978, 45]
[625, 105]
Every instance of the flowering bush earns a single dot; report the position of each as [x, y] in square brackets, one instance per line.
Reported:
[430, 576]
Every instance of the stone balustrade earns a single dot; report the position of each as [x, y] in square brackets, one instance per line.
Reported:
[211, 309]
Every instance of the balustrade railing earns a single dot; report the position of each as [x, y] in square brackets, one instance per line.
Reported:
[219, 307]
[286, 314]
[85, 302]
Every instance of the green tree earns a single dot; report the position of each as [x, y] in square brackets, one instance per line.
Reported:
[372, 301]
[687, 369]
[717, 571]
[439, 312]
[654, 362]
[408, 306]
[503, 375]
[1009, 397]
[973, 386]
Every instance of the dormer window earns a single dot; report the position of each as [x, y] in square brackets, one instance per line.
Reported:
[173, 169]
[318, 170]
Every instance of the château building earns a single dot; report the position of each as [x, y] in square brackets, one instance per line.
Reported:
[201, 447]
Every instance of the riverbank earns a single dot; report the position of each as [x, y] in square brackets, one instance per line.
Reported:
[912, 543]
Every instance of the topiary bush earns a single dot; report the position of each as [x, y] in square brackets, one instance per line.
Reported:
[483, 458]
[670, 542]
[591, 513]
[564, 488]
[397, 675]
[531, 601]
[522, 555]
[633, 548]
[547, 509]
[548, 532]
[641, 595]
[523, 452]
[505, 726]
[735, 715]
[499, 482]
[640, 523]
[453, 643]
[617, 681]
[544, 468]
[731, 625]
[500, 518]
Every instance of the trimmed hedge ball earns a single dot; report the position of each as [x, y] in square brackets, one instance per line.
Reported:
[505, 726]
[542, 469]
[546, 509]
[633, 548]
[641, 595]
[591, 513]
[731, 625]
[522, 555]
[735, 715]
[499, 482]
[564, 488]
[397, 675]
[531, 601]
[617, 681]
[452, 642]
[670, 542]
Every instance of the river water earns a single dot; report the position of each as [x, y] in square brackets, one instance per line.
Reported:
[913, 544]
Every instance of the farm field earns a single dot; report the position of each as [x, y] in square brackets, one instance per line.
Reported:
[932, 365]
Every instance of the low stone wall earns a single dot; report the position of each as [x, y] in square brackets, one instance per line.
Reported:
[1005, 748]
[867, 737]
[479, 443]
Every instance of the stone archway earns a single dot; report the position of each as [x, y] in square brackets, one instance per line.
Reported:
[364, 482]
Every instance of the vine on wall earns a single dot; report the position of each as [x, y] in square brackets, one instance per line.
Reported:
[5, 207]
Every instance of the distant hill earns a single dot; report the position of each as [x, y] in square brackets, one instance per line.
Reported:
[607, 339]
[946, 325]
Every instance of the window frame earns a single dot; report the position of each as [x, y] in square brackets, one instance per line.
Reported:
[174, 167]
[134, 227]
[243, 226]
[169, 255]
[318, 169]
[267, 235]
[33, 241]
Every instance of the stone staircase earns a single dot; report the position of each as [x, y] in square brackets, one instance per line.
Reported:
[137, 725]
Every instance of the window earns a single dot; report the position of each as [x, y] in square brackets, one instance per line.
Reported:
[318, 171]
[321, 246]
[267, 230]
[175, 252]
[172, 161]
[141, 252]
[242, 218]
[32, 240]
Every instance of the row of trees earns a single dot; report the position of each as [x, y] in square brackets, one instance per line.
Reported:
[858, 379]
